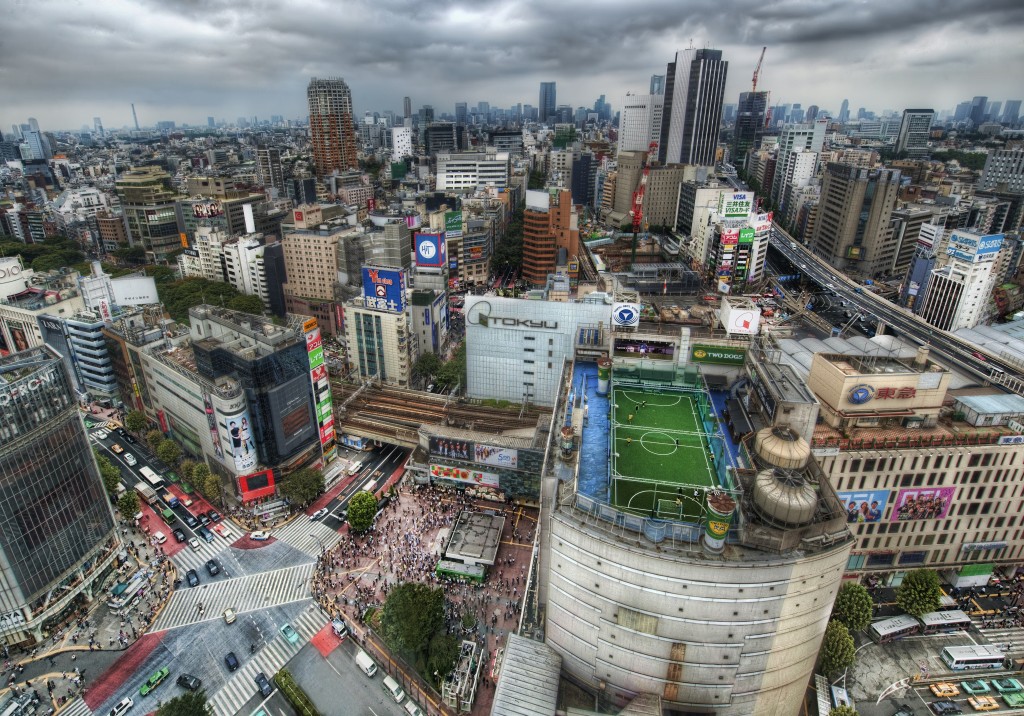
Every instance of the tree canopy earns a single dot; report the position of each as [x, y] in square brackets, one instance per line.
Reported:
[190, 703]
[837, 649]
[154, 438]
[920, 592]
[843, 710]
[108, 471]
[169, 451]
[179, 296]
[135, 421]
[853, 606]
[53, 252]
[426, 365]
[128, 504]
[412, 623]
[361, 510]
[211, 488]
[247, 304]
[302, 486]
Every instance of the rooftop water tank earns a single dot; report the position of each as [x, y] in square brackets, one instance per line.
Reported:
[780, 446]
[785, 496]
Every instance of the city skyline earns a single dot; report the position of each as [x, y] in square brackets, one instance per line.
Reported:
[178, 64]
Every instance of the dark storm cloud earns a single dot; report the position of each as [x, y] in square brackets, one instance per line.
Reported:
[65, 62]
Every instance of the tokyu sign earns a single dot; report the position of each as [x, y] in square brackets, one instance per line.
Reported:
[720, 355]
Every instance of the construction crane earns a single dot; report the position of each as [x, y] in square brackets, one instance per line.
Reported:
[757, 70]
[637, 212]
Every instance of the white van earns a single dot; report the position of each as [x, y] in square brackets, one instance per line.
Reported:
[366, 663]
[392, 687]
[412, 709]
[159, 537]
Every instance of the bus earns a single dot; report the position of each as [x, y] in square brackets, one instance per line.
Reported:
[894, 628]
[461, 572]
[151, 477]
[962, 658]
[945, 622]
[123, 594]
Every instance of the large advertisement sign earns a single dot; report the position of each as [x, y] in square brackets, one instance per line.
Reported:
[747, 235]
[134, 291]
[321, 390]
[256, 486]
[453, 224]
[735, 204]
[459, 474]
[973, 248]
[718, 355]
[626, 314]
[430, 250]
[500, 457]
[384, 289]
[207, 209]
[446, 447]
[864, 506]
[641, 348]
[243, 447]
[211, 420]
[929, 503]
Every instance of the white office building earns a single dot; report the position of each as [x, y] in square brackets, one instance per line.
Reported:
[640, 121]
[960, 293]
[401, 142]
[470, 171]
[809, 137]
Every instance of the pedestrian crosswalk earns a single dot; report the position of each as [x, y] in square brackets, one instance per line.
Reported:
[243, 594]
[1010, 640]
[278, 651]
[309, 536]
[78, 707]
[196, 559]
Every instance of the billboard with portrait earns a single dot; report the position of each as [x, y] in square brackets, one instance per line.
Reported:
[922, 503]
[239, 436]
[447, 447]
[865, 505]
[207, 209]
[500, 457]
[459, 474]
[641, 348]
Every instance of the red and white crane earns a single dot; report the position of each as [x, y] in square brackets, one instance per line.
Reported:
[637, 212]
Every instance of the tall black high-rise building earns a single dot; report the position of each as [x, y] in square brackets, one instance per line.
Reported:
[695, 85]
[547, 104]
[750, 117]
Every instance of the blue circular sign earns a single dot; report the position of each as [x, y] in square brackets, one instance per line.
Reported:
[625, 316]
[861, 394]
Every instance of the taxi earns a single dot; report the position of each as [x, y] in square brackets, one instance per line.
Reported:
[944, 690]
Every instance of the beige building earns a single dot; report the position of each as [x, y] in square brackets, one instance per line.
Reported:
[661, 197]
[380, 345]
[930, 478]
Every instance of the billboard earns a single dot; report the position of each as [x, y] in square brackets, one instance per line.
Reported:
[458, 449]
[453, 224]
[501, 457]
[729, 237]
[928, 503]
[739, 320]
[207, 209]
[642, 348]
[384, 289]
[430, 250]
[864, 506]
[625, 314]
[243, 448]
[718, 355]
[321, 391]
[256, 486]
[459, 474]
[134, 291]
[972, 247]
[747, 235]
[735, 204]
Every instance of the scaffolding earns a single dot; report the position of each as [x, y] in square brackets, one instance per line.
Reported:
[459, 687]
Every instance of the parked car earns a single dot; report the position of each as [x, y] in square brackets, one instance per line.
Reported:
[153, 681]
[942, 708]
[944, 690]
[290, 634]
[231, 661]
[263, 684]
[983, 703]
[212, 567]
[189, 682]
[192, 577]
[179, 534]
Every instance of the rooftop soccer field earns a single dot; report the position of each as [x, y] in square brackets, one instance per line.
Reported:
[663, 457]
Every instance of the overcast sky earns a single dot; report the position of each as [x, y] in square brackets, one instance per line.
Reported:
[65, 62]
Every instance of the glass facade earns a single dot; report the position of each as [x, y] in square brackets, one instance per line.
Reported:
[54, 512]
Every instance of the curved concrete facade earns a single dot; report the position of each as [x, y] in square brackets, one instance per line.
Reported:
[736, 634]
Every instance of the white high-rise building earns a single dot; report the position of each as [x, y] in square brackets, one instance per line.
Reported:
[640, 121]
[915, 129]
[1004, 171]
[469, 171]
[799, 167]
[959, 293]
[401, 142]
[810, 137]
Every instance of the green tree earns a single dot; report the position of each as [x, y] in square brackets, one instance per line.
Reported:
[185, 468]
[426, 365]
[361, 509]
[247, 304]
[536, 180]
[837, 649]
[920, 592]
[135, 421]
[453, 372]
[302, 486]
[128, 504]
[843, 710]
[212, 488]
[853, 606]
[200, 474]
[154, 438]
[110, 473]
[179, 296]
[412, 615]
[169, 451]
[442, 654]
[190, 703]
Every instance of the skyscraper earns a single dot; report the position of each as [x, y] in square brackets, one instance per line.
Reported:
[844, 111]
[269, 169]
[795, 138]
[977, 113]
[750, 119]
[547, 102]
[640, 122]
[657, 84]
[331, 131]
[914, 131]
[1011, 113]
[693, 107]
[461, 113]
[407, 107]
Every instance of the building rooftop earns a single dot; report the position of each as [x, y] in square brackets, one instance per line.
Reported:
[991, 404]
[475, 537]
[530, 672]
